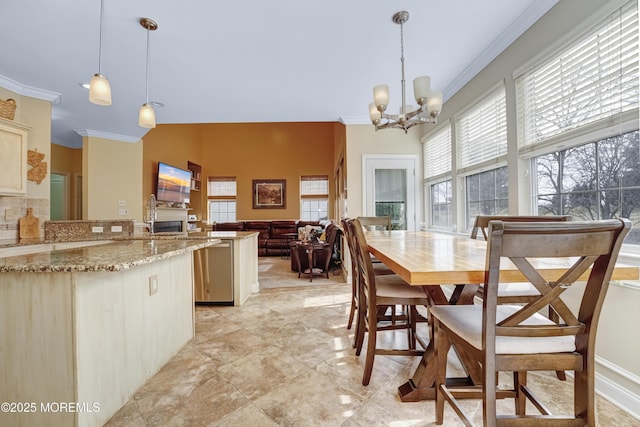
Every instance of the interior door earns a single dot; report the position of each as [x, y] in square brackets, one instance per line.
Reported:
[390, 188]
[59, 199]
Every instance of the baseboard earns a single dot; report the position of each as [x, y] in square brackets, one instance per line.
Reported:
[625, 399]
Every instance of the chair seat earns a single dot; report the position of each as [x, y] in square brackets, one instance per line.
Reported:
[516, 290]
[380, 269]
[466, 321]
[393, 286]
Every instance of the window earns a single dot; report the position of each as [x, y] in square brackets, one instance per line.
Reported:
[481, 134]
[486, 194]
[593, 80]
[437, 177]
[568, 107]
[481, 131]
[221, 194]
[441, 204]
[599, 180]
[314, 198]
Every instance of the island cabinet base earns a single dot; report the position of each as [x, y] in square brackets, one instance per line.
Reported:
[75, 346]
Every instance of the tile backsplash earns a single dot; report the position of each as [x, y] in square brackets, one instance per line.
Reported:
[14, 208]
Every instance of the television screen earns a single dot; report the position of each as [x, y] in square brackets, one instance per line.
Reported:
[174, 184]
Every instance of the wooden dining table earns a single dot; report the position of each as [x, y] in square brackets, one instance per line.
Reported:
[430, 260]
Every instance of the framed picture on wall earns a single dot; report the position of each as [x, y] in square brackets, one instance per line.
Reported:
[269, 194]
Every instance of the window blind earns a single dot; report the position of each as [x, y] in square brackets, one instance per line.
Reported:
[314, 186]
[594, 79]
[481, 131]
[222, 187]
[436, 153]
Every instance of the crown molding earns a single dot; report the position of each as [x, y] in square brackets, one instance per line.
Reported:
[14, 86]
[354, 120]
[106, 135]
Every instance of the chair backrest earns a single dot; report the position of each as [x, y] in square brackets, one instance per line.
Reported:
[375, 222]
[348, 235]
[481, 222]
[592, 248]
[364, 268]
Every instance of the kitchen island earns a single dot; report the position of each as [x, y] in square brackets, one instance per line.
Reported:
[83, 328]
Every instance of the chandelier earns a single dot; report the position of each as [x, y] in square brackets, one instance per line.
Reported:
[429, 102]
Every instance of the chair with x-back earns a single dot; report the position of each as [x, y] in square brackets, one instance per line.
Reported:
[518, 338]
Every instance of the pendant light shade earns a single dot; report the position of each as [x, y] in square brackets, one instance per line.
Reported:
[147, 115]
[100, 90]
[99, 87]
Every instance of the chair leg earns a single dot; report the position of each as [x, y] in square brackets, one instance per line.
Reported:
[371, 350]
[489, 388]
[354, 302]
[361, 328]
[440, 355]
[584, 396]
[519, 381]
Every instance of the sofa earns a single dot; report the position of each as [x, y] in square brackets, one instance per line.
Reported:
[273, 236]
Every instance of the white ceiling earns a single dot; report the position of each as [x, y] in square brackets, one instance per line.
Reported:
[244, 60]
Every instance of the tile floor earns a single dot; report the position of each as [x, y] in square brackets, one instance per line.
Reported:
[285, 358]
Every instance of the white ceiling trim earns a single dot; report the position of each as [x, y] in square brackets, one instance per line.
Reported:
[33, 92]
[107, 135]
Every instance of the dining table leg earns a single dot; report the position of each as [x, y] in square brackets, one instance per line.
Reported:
[422, 385]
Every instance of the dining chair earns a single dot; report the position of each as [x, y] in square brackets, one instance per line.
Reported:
[382, 291]
[512, 292]
[375, 223]
[523, 292]
[379, 269]
[518, 338]
[481, 222]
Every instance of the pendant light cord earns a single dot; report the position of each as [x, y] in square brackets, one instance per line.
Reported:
[100, 39]
[147, 82]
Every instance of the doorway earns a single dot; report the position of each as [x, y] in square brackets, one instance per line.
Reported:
[59, 198]
[390, 188]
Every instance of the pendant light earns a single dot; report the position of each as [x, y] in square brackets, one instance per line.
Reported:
[146, 115]
[99, 87]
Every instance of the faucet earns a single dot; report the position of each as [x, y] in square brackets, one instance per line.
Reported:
[152, 212]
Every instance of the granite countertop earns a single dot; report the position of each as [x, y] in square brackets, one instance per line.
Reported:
[114, 256]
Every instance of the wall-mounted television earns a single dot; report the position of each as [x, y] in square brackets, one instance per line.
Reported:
[173, 185]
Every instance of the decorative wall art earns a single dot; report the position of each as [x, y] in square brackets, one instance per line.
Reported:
[38, 169]
[269, 194]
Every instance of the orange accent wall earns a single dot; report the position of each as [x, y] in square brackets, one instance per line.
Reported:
[247, 151]
[68, 161]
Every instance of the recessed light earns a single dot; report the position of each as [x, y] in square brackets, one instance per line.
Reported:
[156, 103]
[84, 85]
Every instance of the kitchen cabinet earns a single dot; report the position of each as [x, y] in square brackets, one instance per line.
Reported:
[13, 158]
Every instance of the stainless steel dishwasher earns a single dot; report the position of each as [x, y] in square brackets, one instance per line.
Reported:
[213, 274]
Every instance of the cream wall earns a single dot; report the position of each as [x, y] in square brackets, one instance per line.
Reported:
[618, 344]
[111, 172]
[363, 139]
[36, 114]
